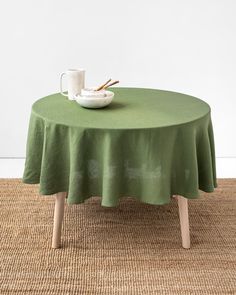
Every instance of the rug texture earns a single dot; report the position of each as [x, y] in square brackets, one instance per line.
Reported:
[134, 248]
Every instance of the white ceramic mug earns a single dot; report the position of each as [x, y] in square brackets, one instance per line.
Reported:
[75, 82]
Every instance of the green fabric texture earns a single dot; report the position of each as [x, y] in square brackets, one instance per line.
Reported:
[148, 144]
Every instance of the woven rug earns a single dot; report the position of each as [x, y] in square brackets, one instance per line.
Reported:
[134, 248]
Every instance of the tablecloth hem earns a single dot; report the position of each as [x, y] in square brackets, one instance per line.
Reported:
[115, 202]
[27, 181]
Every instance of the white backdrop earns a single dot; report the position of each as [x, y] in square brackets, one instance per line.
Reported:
[186, 46]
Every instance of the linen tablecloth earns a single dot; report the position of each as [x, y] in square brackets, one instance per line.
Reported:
[148, 144]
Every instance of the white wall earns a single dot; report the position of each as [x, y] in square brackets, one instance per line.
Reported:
[187, 46]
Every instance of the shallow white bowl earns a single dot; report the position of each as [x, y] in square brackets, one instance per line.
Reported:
[93, 102]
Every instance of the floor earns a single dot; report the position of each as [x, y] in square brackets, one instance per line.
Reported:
[134, 248]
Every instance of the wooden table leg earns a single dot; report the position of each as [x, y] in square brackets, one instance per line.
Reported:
[184, 221]
[58, 218]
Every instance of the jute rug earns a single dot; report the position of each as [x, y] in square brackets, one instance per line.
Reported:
[134, 248]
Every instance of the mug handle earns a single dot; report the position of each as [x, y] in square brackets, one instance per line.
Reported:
[62, 93]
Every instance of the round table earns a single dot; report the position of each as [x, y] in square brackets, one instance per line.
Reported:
[149, 144]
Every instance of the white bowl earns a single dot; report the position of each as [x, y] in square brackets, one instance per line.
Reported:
[95, 102]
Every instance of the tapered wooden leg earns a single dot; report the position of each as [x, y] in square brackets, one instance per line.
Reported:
[184, 221]
[58, 218]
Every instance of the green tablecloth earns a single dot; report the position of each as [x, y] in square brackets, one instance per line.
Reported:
[148, 144]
